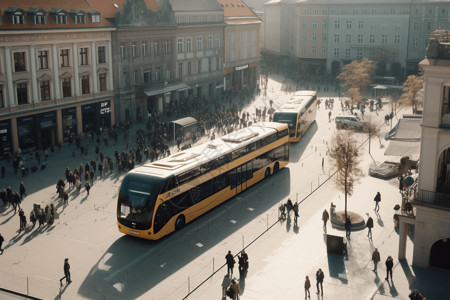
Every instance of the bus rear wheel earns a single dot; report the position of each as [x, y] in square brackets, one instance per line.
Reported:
[267, 174]
[179, 223]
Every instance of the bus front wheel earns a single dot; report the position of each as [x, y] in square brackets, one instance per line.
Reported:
[179, 223]
[267, 174]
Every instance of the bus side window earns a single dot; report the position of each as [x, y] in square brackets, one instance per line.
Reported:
[232, 174]
[163, 215]
[249, 170]
[220, 183]
[207, 189]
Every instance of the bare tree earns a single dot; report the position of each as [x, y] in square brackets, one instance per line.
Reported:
[372, 131]
[411, 87]
[344, 158]
[356, 76]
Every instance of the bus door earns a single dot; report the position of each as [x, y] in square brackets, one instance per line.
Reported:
[239, 178]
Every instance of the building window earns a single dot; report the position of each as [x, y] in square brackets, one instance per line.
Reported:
[216, 41]
[102, 82]
[39, 18]
[360, 24]
[122, 50]
[166, 47]
[303, 49]
[372, 38]
[314, 24]
[429, 26]
[349, 24]
[304, 24]
[336, 38]
[324, 24]
[384, 25]
[217, 63]
[324, 37]
[79, 19]
[180, 70]
[313, 37]
[209, 64]
[180, 45]
[189, 44]
[101, 54]
[314, 49]
[157, 73]
[147, 77]
[199, 66]
[95, 18]
[304, 37]
[61, 19]
[85, 84]
[416, 26]
[415, 42]
[136, 77]
[199, 43]
[144, 48]
[22, 93]
[133, 50]
[189, 68]
[64, 54]
[397, 39]
[123, 80]
[348, 38]
[19, 62]
[347, 53]
[337, 24]
[359, 53]
[384, 39]
[18, 18]
[397, 25]
[83, 56]
[324, 50]
[210, 41]
[43, 60]
[360, 38]
[336, 52]
[66, 87]
[45, 90]
[155, 48]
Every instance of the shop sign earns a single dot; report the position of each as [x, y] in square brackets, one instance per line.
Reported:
[104, 108]
[3, 131]
[241, 67]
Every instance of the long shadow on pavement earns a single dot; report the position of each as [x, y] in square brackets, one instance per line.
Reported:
[131, 267]
[336, 267]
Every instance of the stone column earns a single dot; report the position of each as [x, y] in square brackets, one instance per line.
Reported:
[14, 135]
[56, 82]
[9, 81]
[110, 68]
[79, 120]
[76, 77]
[94, 68]
[34, 88]
[59, 126]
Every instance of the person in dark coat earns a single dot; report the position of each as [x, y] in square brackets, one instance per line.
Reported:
[22, 190]
[415, 295]
[325, 218]
[307, 286]
[348, 227]
[23, 220]
[1, 242]
[66, 272]
[16, 201]
[230, 262]
[87, 187]
[375, 258]
[377, 200]
[369, 225]
[389, 265]
[319, 279]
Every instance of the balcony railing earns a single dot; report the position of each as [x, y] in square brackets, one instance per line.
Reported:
[440, 200]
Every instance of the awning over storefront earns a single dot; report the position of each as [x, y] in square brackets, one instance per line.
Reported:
[400, 148]
[405, 136]
[167, 89]
[185, 121]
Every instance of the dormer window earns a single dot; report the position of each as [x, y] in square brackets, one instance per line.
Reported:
[59, 15]
[78, 16]
[94, 16]
[15, 15]
[37, 16]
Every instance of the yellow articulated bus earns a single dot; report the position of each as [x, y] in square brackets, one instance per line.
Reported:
[160, 197]
[299, 112]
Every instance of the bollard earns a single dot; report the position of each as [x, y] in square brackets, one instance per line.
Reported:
[189, 285]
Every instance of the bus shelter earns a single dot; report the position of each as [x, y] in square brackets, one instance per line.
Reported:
[184, 128]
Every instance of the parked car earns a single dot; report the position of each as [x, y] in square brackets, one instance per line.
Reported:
[349, 121]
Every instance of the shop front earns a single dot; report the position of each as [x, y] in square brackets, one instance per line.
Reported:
[5, 138]
[47, 129]
[96, 116]
[27, 135]
[69, 123]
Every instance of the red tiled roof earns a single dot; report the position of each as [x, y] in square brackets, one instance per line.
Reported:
[108, 8]
[236, 8]
[48, 5]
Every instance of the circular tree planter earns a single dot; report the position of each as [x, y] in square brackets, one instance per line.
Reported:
[338, 220]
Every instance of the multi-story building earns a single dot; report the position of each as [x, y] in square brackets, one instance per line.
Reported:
[431, 199]
[323, 35]
[242, 49]
[55, 72]
[199, 47]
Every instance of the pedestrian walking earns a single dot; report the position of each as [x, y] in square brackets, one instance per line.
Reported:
[225, 285]
[66, 272]
[369, 225]
[22, 190]
[325, 218]
[295, 212]
[348, 227]
[236, 289]
[415, 295]
[389, 266]
[377, 200]
[307, 286]
[3, 171]
[230, 263]
[1, 242]
[87, 187]
[23, 220]
[319, 278]
[375, 259]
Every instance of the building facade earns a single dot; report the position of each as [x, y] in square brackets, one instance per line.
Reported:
[431, 197]
[55, 73]
[242, 47]
[327, 34]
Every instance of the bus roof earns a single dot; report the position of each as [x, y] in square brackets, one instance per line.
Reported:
[182, 161]
[296, 102]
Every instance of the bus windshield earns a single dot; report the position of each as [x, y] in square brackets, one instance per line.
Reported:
[137, 199]
[289, 118]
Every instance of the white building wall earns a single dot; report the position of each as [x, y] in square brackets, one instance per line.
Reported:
[272, 28]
